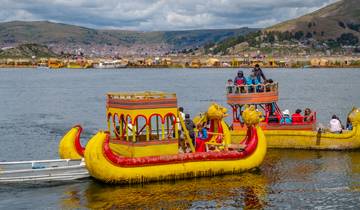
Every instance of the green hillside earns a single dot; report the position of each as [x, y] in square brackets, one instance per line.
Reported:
[44, 32]
[329, 22]
[27, 51]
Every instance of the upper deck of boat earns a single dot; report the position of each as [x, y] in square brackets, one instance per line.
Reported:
[141, 100]
[252, 94]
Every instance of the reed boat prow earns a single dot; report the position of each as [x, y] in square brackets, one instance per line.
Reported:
[70, 145]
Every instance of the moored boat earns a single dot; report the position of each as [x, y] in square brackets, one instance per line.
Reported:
[142, 142]
[296, 135]
[42, 171]
[114, 64]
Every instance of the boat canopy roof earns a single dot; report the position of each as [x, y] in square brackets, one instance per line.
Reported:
[145, 104]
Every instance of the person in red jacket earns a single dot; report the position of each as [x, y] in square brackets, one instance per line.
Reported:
[297, 117]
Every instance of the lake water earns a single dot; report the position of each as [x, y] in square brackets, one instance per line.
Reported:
[37, 107]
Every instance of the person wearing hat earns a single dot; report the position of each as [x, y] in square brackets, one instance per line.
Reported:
[240, 79]
[286, 117]
[258, 73]
[297, 117]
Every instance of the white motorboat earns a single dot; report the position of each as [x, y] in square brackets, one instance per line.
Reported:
[110, 64]
[42, 171]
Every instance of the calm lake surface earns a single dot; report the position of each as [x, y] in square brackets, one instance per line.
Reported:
[38, 106]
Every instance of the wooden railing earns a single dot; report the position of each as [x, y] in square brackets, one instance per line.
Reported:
[140, 95]
[246, 89]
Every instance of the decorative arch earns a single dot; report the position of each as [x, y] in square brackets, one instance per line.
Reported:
[155, 126]
[170, 124]
[153, 115]
[140, 126]
[116, 126]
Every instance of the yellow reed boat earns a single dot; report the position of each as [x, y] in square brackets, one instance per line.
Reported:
[142, 141]
[299, 135]
[55, 63]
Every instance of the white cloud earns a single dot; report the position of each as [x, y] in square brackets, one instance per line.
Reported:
[160, 14]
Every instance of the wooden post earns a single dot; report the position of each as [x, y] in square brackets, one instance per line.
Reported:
[121, 127]
[134, 132]
[127, 131]
[157, 126]
[162, 131]
[176, 128]
[109, 126]
[147, 133]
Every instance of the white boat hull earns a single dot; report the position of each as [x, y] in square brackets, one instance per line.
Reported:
[42, 170]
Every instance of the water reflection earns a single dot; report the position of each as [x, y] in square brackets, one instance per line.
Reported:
[287, 179]
[246, 190]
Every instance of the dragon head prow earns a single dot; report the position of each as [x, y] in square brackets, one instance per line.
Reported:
[354, 116]
[216, 112]
[251, 116]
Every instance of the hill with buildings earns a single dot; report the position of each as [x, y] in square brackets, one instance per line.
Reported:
[63, 38]
[332, 29]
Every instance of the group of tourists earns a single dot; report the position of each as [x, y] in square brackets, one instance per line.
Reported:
[256, 78]
[197, 140]
[335, 125]
[297, 117]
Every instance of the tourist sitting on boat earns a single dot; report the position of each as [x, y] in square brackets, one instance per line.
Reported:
[201, 137]
[259, 73]
[335, 125]
[229, 86]
[308, 115]
[189, 124]
[273, 118]
[286, 117]
[297, 117]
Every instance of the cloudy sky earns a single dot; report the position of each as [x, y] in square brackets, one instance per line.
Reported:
[148, 15]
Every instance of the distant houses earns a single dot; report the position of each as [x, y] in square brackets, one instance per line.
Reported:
[184, 62]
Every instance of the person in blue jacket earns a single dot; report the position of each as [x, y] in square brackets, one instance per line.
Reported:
[252, 80]
[286, 119]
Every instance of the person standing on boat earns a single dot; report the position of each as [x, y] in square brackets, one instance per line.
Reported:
[252, 81]
[182, 115]
[258, 73]
[240, 80]
[201, 137]
[335, 125]
[189, 124]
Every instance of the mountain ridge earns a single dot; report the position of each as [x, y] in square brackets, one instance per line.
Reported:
[50, 33]
[329, 22]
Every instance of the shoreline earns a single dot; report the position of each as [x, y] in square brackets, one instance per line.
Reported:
[184, 62]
